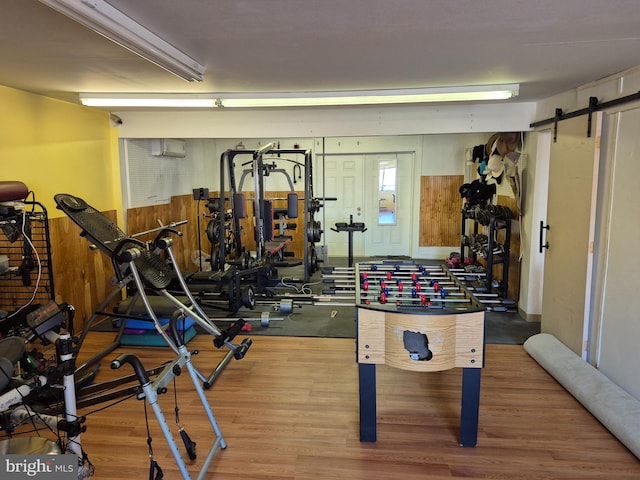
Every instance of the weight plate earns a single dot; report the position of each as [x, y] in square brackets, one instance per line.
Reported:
[314, 231]
[212, 231]
[318, 232]
[314, 260]
[313, 205]
[248, 297]
[286, 306]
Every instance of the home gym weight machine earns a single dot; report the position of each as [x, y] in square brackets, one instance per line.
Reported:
[224, 230]
[312, 228]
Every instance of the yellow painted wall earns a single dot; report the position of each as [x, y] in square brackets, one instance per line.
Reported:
[59, 147]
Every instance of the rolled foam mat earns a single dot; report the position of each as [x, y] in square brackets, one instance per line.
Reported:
[616, 409]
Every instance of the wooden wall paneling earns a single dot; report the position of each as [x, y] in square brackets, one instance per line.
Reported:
[81, 275]
[440, 207]
[513, 290]
[184, 207]
[180, 208]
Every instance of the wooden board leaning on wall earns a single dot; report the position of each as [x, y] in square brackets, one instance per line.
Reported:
[514, 247]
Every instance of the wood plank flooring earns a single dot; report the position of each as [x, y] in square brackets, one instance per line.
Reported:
[289, 411]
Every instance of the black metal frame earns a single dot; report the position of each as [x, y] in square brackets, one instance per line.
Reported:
[137, 264]
[18, 285]
[227, 169]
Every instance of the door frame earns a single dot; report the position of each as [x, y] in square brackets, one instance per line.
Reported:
[365, 194]
[371, 199]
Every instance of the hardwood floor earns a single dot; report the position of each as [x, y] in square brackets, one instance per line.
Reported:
[289, 411]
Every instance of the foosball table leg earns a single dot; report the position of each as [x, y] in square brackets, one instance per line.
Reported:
[470, 406]
[367, 379]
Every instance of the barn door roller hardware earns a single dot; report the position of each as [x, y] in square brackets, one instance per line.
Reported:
[594, 106]
[593, 103]
[556, 119]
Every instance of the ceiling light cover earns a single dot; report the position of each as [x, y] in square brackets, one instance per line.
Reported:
[304, 99]
[111, 23]
[146, 101]
[370, 97]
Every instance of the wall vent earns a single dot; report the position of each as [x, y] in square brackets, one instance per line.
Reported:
[168, 147]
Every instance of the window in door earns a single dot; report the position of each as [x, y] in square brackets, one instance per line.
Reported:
[387, 192]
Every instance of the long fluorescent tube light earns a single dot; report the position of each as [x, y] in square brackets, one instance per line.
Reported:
[146, 100]
[111, 23]
[304, 99]
[370, 97]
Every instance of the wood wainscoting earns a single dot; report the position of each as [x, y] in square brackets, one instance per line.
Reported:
[185, 208]
[440, 207]
[82, 275]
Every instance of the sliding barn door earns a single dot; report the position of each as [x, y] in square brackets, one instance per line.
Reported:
[568, 265]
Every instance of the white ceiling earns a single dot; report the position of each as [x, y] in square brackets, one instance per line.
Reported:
[547, 46]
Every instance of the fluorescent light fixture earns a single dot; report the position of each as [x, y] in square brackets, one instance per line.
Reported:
[146, 100]
[369, 97]
[304, 99]
[111, 23]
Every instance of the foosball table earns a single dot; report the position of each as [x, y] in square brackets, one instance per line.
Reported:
[419, 318]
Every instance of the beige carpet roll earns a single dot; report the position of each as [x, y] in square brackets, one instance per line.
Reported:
[616, 409]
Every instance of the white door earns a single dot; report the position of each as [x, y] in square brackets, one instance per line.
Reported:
[354, 181]
[571, 208]
[343, 180]
[383, 237]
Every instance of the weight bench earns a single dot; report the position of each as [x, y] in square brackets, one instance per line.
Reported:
[277, 246]
[140, 265]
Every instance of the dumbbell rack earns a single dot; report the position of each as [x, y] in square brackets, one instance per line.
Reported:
[495, 253]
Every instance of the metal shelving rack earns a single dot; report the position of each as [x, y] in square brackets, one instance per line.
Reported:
[495, 253]
[27, 283]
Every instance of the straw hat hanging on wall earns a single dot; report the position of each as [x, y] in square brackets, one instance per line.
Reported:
[502, 148]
